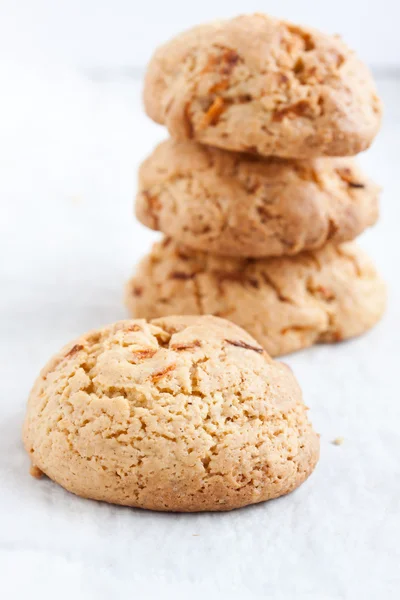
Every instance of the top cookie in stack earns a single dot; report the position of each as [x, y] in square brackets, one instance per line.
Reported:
[256, 84]
[265, 117]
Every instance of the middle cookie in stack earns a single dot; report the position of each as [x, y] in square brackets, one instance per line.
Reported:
[260, 240]
[233, 204]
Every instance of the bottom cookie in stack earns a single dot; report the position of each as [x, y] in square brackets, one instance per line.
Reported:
[285, 303]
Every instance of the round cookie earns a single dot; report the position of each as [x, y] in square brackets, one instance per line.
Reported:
[258, 84]
[285, 303]
[179, 414]
[238, 205]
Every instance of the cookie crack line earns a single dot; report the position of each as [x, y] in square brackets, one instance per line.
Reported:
[198, 296]
[239, 344]
[269, 281]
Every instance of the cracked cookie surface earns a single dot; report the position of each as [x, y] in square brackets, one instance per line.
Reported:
[179, 413]
[286, 304]
[258, 84]
[237, 205]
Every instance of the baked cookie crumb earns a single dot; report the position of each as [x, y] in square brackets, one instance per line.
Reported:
[35, 472]
[338, 441]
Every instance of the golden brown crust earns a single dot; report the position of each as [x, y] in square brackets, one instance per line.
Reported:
[257, 84]
[236, 205]
[285, 303]
[180, 414]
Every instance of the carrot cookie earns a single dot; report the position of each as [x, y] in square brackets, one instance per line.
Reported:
[258, 84]
[238, 205]
[285, 303]
[178, 414]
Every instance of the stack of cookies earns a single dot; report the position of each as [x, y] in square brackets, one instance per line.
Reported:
[256, 191]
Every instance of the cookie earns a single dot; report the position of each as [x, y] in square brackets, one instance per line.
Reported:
[285, 303]
[238, 205]
[178, 414]
[258, 84]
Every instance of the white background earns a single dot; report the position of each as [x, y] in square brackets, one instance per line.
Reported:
[72, 134]
[115, 33]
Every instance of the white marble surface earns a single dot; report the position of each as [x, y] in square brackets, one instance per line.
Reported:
[68, 154]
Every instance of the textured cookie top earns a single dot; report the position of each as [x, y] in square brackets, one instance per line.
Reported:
[258, 84]
[235, 204]
[138, 360]
[180, 413]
